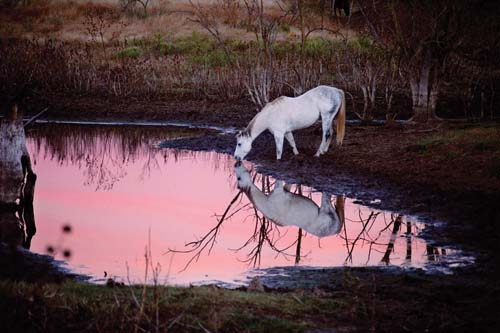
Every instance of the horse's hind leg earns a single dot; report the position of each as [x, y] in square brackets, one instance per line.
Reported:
[326, 202]
[291, 141]
[330, 136]
[326, 123]
[328, 141]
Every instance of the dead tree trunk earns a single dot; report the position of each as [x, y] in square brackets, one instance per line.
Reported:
[17, 183]
[390, 246]
[420, 84]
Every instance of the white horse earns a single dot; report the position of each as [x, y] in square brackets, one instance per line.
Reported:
[286, 208]
[286, 114]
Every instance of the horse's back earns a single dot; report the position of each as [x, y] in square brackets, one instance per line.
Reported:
[327, 92]
[290, 209]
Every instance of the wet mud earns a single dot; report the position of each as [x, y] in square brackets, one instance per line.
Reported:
[458, 209]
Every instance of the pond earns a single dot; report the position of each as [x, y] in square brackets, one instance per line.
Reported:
[110, 204]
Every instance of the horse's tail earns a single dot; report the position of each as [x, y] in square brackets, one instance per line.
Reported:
[340, 209]
[341, 121]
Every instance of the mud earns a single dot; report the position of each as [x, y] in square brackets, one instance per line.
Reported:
[467, 211]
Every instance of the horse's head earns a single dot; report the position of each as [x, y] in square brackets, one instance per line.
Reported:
[243, 176]
[243, 145]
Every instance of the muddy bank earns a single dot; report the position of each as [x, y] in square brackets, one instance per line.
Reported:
[374, 163]
[410, 166]
[22, 265]
[402, 165]
[195, 111]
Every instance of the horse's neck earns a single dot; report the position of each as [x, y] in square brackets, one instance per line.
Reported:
[257, 125]
[259, 199]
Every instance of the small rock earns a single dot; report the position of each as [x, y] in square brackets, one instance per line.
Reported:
[255, 285]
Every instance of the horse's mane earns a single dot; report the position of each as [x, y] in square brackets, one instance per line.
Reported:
[276, 101]
[245, 132]
[248, 130]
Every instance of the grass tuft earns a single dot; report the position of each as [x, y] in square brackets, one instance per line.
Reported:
[130, 52]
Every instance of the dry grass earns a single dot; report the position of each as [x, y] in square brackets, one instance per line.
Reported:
[97, 60]
[64, 19]
[153, 67]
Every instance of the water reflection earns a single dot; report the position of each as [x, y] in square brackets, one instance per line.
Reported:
[112, 185]
[364, 236]
[104, 153]
[286, 208]
[17, 183]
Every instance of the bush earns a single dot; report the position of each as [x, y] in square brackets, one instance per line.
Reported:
[215, 58]
[130, 52]
[281, 49]
[195, 43]
[318, 47]
[362, 45]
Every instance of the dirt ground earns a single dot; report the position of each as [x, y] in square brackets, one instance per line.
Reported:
[444, 171]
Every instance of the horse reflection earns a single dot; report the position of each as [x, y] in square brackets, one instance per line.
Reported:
[17, 183]
[286, 208]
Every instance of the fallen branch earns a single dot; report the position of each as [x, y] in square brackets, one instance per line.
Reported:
[35, 117]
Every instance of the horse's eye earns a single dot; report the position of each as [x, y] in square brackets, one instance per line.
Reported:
[239, 144]
[239, 178]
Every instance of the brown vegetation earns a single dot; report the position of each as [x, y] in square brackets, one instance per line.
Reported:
[230, 49]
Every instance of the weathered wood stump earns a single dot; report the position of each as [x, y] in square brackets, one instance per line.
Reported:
[17, 183]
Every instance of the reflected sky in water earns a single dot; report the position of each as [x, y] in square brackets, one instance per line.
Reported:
[114, 188]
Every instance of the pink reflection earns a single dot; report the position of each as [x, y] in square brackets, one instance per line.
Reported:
[176, 199]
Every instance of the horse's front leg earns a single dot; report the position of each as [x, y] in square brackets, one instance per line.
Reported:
[291, 141]
[278, 138]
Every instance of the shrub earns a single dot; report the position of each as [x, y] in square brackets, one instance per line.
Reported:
[130, 52]
[214, 58]
[317, 47]
[195, 43]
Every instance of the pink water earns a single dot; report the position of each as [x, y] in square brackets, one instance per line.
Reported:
[121, 195]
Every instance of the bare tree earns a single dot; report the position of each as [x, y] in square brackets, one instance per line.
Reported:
[130, 4]
[265, 28]
[425, 35]
[308, 76]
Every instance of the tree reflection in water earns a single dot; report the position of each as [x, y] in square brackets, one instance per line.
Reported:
[104, 152]
[375, 232]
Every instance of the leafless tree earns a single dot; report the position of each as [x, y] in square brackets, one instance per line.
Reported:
[425, 34]
[130, 4]
[265, 28]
